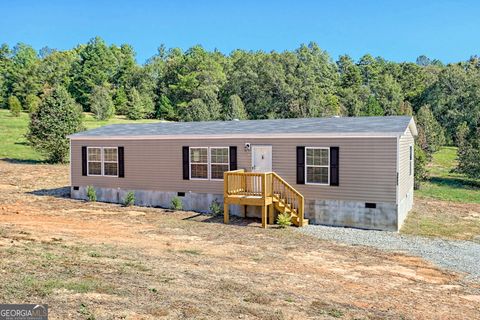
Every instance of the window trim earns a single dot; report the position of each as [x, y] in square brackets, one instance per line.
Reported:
[104, 161]
[410, 160]
[190, 163]
[317, 166]
[88, 162]
[102, 169]
[210, 161]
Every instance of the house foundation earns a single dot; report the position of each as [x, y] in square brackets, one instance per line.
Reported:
[385, 216]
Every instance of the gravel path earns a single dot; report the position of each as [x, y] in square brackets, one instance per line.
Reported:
[456, 255]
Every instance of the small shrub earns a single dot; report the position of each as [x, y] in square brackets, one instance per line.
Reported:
[284, 220]
[91, 194]
[215, 208]
[129, 199]
[176, 203]
[14, 105]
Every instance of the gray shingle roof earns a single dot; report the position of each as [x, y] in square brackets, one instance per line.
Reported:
[328, 126]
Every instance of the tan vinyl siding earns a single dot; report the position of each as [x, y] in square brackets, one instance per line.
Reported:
[367, 166]
[405, 180]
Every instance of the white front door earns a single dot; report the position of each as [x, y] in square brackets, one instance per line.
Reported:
[261, 158]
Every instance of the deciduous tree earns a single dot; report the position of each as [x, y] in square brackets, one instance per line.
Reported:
[101, 103]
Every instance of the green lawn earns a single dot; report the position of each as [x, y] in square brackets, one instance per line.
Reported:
[444, 184]
[13, 144]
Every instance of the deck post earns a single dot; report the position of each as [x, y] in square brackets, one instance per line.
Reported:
[264, 198]
[225, 212]
[225, 196]
[264, 216]
[271, 215]
[301, 211]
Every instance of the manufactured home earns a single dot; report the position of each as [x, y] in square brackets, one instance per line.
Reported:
[339, 171]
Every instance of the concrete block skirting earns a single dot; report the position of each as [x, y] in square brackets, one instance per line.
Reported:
[352, 214]
[327, 212]
[149, 198]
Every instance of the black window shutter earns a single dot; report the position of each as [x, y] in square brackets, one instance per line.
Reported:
[186, 163]
[121, 162]
[233, 157]
[84, 161]
[334, 166]
[300, 165]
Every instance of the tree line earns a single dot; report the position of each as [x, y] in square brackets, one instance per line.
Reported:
[197, 84]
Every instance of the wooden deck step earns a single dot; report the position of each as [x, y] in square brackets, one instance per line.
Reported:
[267, 190]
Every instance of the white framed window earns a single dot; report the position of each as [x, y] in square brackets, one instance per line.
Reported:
[410, 160]
[317, 166]
[209, 163]
[102, 161]
[199, 163]
[110, 162]
[94, 161]
[219, 162]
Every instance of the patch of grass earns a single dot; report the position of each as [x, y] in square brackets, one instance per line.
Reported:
[51, 256]
[46, 287]
[90, 122]
[94, 254]
[153, 290]
[442, 224]
[259, 298]
[14, 145]
[136, 265]
[85, 311]
[322, 308]
[193, 252]
[445, 184]
[289, 300]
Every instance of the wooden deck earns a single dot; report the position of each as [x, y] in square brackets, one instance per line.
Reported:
[267, 190]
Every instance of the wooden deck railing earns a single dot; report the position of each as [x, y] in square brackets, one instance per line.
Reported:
[268, 186]
[292, 198]
[254, 184]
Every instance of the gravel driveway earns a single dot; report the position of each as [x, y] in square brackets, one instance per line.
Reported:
[455, 255]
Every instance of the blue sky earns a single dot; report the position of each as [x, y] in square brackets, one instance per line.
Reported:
[398, 31]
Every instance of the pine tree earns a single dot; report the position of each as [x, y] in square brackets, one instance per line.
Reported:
[136, 108]
[430, 133]
[372, 108]
[121, 101]
[196, 110]
[235, 109]
[56, 117]
[165, 109]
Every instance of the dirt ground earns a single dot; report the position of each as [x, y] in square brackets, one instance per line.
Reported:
[104, 261]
